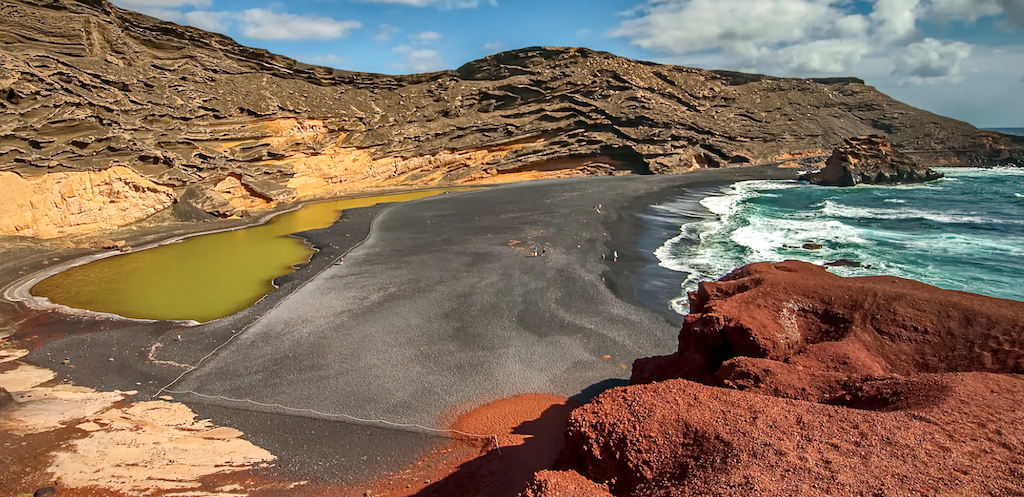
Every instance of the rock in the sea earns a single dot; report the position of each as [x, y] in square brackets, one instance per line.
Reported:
[6, 400]
[870, 160]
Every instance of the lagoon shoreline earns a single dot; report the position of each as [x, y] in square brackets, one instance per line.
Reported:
[563, 209]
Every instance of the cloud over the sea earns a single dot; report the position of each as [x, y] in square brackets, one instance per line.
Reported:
[809, 37]
[444, 4]
[931, 61]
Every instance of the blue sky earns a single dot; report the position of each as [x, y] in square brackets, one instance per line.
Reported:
[959, 58]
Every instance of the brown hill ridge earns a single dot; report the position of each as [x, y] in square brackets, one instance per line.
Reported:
[85, 86]
[790, 380]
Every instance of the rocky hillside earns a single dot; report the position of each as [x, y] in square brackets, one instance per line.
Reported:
[85, 85]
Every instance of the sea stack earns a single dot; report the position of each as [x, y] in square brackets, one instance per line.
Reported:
[871, 160]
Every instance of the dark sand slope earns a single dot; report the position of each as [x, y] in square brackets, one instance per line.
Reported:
[439, 311]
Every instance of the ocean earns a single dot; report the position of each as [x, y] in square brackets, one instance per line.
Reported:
[964, 232]
[1009, 131]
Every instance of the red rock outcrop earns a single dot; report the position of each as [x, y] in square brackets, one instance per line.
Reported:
[564, 484]
[790, 380]
[682, 438]
[801, 314]
[871, 160]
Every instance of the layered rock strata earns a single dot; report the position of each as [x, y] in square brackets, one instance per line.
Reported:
[870, 160]
[64, 203]
[85, 85]
[791, 380]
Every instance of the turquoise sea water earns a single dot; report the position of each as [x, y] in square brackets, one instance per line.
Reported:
[964, 232]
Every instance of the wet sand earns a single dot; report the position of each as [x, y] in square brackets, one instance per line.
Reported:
[442, 307]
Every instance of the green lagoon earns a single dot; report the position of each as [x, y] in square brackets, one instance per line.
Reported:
[204, 277]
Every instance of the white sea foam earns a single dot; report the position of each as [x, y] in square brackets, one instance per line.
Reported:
[835, 209]
[738, 229]
[980, 172]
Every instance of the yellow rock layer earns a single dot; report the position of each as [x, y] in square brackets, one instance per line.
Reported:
[58, 204]
[340, 169]
[240, 197]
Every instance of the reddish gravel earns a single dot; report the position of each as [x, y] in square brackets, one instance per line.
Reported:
[682, 438]
[564, 484]
[530, 429]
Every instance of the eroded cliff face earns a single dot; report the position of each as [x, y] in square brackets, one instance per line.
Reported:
[86, 85]
[59, 204]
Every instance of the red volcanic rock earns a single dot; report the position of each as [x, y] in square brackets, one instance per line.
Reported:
[682, 438]
[870, 160]
[564, 484]
[814, 384]
[805, 316]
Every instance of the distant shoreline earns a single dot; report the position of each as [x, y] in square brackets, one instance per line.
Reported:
[1008, 131]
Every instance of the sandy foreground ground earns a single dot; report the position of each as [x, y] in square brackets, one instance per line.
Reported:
[348, 377]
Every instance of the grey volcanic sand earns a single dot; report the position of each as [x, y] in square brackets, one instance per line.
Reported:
[437, 312]
[439, 275]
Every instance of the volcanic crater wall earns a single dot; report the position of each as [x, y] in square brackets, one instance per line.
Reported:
[85, 85]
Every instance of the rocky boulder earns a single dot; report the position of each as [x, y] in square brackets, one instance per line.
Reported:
[791, 380]
[6, 399]
[564, 484]
[870, 160]
[801, 314]
[682, 438]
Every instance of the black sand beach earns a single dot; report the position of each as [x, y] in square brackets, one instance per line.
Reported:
[442, 308]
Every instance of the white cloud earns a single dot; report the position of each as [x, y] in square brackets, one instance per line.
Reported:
[852, 26]
[494, 47]
[444, 4]
[583, 34]
[387, 32]
[425, 37]
[420, 59]
[137, 4]
[972, 10]
[263, 24]
[210, 21]
[931, 61]
[806, 37]
[330, 60]
[737, 26]
[895, 20]
[966, 10]
[821, 56]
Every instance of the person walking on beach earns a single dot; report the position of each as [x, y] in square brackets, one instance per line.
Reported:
[543, 250]
[615, 256]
